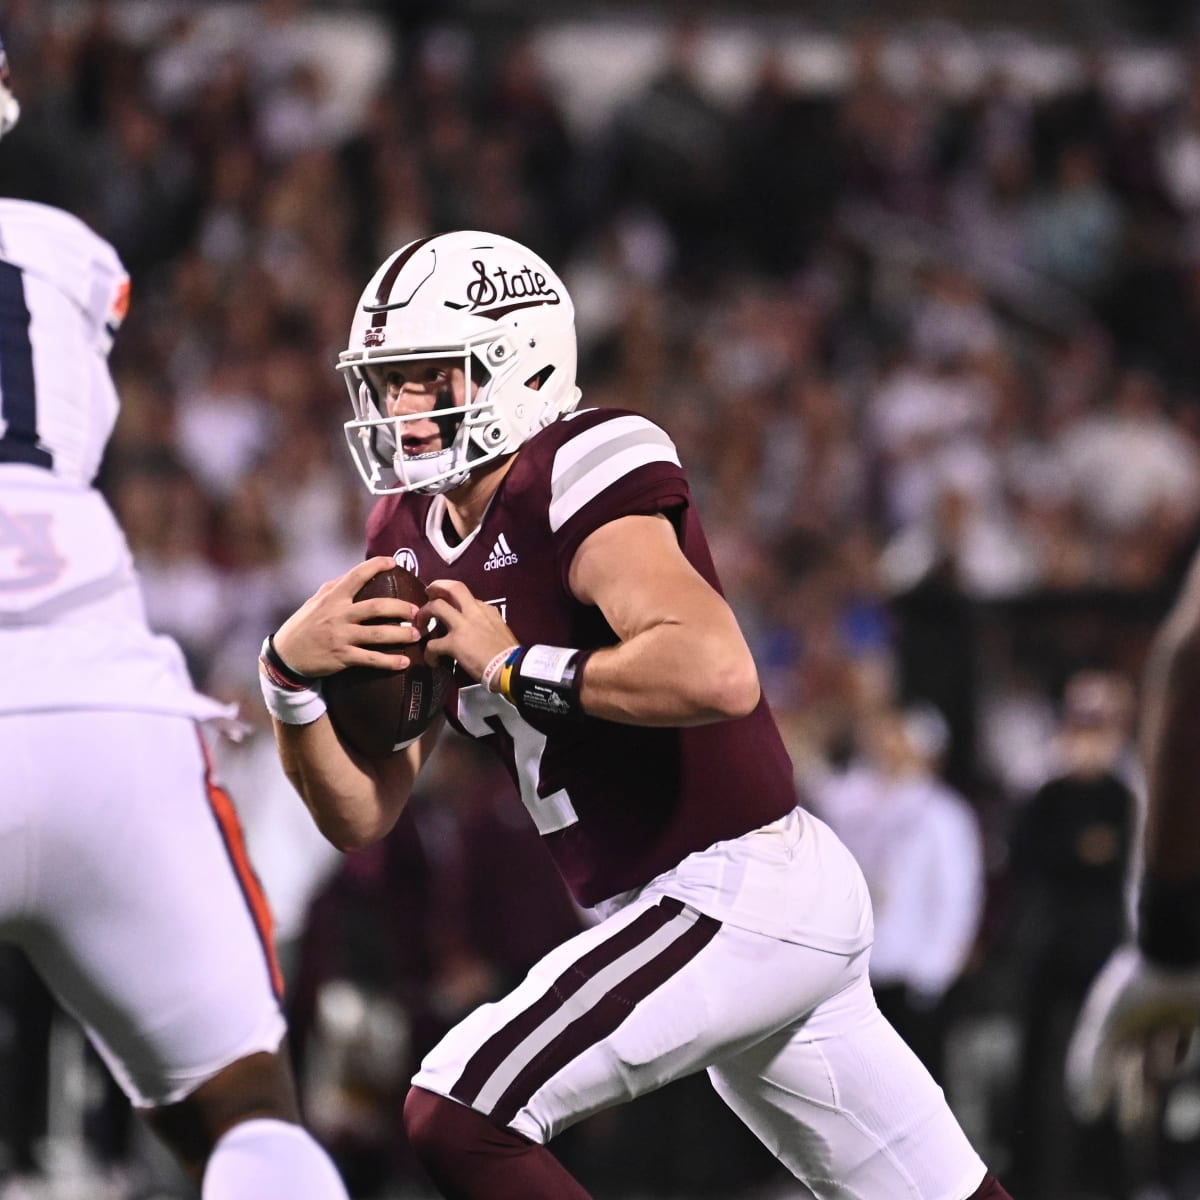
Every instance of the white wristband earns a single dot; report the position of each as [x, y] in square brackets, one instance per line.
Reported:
[290, 705]
[492, 670]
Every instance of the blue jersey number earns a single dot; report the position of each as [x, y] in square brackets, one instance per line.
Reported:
[18, 396]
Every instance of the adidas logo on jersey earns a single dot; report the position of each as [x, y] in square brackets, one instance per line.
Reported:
[501, 556]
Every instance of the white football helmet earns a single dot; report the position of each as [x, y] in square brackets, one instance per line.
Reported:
[478, 295]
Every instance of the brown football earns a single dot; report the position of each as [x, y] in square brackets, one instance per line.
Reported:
[374, 711]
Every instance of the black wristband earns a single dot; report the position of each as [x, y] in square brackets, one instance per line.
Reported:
[546, 680]
[1168, 925]
[289, 676]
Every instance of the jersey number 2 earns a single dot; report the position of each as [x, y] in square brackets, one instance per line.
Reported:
[18, 396]
[479, 712]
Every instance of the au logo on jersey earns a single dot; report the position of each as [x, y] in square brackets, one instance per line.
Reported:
[29, 557]
[406, 558]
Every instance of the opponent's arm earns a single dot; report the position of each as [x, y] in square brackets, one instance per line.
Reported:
[353, 800]
[1171, 748]
[1147, 997]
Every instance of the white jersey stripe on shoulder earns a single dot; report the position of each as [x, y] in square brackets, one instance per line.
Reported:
[564, 478]
[602, 464]
[603, 475]
[570, 452]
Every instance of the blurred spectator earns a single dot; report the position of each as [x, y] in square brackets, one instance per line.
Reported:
[222, 427]
[1136, 478]
[295, 116]
[918, 844]
[166, 519]
[789, 161]
[1069, 861]
[673, 145]
[146, 202]
[1080, 114]
[1076, 225]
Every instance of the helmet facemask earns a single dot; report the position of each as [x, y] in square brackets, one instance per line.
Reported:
[471, 434]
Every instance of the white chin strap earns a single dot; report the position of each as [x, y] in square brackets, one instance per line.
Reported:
[428, 472]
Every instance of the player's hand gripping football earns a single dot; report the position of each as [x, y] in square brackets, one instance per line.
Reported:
[1131, 1037]
[469, 631]
[329, 630]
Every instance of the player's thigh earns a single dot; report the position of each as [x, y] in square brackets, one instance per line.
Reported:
[842, 1101]
[654, 993]
[18, 811]
[147, 920]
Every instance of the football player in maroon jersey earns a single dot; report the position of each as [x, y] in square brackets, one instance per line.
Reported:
[571, 584]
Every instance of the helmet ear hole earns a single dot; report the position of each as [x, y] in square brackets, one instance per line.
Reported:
[536, 381]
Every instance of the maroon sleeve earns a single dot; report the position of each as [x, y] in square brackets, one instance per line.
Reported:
[608, 464]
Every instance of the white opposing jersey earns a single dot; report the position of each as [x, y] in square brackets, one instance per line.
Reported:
[73, 632]
[63, 293]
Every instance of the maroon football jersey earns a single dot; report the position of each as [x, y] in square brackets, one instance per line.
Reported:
[616, 804]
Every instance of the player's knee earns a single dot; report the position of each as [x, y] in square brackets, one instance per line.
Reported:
[257, 1086]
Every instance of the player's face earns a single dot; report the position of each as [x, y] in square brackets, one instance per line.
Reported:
[411, 388]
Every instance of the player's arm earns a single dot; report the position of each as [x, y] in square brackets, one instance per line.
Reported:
[1148, 995]
[1171, 753]
[681, 659]
[353, 800]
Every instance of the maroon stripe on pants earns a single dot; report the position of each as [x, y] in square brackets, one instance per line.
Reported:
[484, 1062]
[603, 1017]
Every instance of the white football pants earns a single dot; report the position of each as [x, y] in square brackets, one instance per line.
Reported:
[124, 878]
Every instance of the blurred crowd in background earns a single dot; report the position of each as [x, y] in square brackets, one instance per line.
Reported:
[928, 340]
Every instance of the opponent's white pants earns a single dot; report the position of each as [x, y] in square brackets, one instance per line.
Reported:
[124, 878]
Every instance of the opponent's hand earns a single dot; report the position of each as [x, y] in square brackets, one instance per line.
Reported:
[470, 631]
[327, 632]
[1131, 1037]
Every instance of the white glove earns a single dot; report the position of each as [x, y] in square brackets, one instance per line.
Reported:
[1129, 1036]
